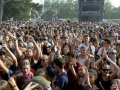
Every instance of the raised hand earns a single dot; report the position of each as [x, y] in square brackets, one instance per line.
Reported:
[29, 87]
[90, 56]
[12, 82]
[115, 86]
[11, 35]
[30, 38]
[4, 45]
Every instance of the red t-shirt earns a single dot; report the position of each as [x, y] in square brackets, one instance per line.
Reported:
[72, 84]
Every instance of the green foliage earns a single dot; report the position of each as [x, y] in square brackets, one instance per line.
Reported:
[60, 9]
[20, 10]
[111, 12]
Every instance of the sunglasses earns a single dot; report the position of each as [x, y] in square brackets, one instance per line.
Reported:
[105, 69]
[112, 53]
[43, 60]
[2, 54]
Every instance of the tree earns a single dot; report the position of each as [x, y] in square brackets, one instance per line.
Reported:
[19, 10]
[108, 10]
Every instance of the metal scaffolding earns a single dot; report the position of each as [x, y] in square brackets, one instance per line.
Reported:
[91, 10]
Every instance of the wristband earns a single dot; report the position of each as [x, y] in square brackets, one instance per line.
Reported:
[15, 39]
[14, 86]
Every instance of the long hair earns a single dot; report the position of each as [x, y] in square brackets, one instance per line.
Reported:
[20, 80]
[4, 85]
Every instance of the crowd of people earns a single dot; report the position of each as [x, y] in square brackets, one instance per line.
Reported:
[59, 56]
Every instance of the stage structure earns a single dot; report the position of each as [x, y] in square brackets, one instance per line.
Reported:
[91, 10]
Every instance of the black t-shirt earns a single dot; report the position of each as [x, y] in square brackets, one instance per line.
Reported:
[101, 84]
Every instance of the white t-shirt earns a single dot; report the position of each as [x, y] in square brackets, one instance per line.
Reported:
[82, 60]
[100, 51]
[93, 48]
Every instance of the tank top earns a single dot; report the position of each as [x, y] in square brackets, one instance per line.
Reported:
[101, 84]
[82, 60]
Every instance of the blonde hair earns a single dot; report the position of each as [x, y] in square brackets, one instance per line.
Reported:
[25, 63]
[4, 85]
[84, 67]
[84, 47]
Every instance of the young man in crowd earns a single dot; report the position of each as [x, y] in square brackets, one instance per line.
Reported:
[72, 84]
[60, 81]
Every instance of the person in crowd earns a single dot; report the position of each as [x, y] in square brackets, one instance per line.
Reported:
[45, 65]
[83, 57]
[104, 77]
[60, 81]
[72, 84]
[28, 75]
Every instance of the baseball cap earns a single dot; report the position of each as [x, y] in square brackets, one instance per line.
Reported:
[85, 35]
[41, 80]
[30, 44]
[2, 51]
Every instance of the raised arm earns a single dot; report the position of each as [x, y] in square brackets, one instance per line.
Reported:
[11, 55]
[36, 53]
[93, 60]
[19, 53]
[5, 70]
[74, 74]
[59, 50]
[114, 74]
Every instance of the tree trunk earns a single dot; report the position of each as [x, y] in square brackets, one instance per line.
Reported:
[1, 10]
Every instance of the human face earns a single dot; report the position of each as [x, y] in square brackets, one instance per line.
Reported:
[112, 54]
[105, 70]
[2, 55]
[81, 71]
[20, 43]
[6, 38]
[86, 38]
[118, 47]
[44, 61]
[83, 51]
[92, 78]
[96, 43]
[105, 44]
[25, 69]
[70, 59]
[65, 51]
[29, 53]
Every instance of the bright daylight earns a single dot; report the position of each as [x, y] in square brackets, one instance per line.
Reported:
[59, 44]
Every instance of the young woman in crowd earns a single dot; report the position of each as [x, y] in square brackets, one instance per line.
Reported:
[26, 71]
[104, 77]
[83, 57]
[32, 57]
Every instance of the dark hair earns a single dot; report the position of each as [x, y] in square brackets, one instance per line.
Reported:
[117, 44]
[41, 72]
[4, 85]
[71, 53]
[93, 71]
[103, 64]
[39, 87]
[20, 80]
[59, 62]
[108, 41]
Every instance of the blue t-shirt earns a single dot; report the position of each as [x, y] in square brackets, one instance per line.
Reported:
[50, 70]
[62, 81]
[6, 76]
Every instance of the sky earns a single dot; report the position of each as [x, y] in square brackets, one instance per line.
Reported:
[116, 3]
